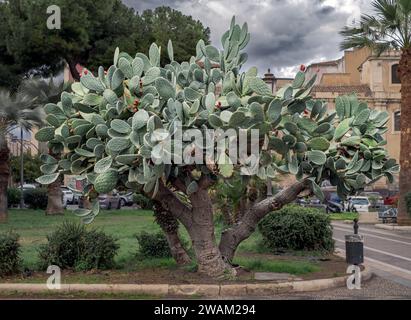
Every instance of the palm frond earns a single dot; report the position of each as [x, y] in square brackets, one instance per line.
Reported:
[388, 27]
[25, 107]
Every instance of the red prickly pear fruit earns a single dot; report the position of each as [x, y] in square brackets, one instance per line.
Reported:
[302, 68]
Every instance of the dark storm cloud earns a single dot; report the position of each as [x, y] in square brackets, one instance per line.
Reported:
[284, 34]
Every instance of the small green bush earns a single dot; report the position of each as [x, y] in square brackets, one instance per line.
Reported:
[297, 228]
[72, 246]
[36, 198]
[153, 245]
[9, 254]
[13, 196]
[408, 202]
[143, 201]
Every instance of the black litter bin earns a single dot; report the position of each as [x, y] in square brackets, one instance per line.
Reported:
[354, 249]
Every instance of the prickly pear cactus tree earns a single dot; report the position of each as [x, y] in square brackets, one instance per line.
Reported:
[110, 130]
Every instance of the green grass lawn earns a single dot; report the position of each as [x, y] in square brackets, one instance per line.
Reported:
[344, 216]
[33, 226]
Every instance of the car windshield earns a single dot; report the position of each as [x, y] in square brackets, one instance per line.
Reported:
[360, 201]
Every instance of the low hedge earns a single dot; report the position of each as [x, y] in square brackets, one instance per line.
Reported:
[36, 198]
[153, 245]
[73, 246]
[13, 197]
[297, 228]
[9, 254]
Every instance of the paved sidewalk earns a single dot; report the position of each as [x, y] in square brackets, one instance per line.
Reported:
[377, 288]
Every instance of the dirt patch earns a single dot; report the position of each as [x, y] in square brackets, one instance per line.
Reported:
[328, 267]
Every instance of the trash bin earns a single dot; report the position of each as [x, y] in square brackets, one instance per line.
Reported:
[354, 249]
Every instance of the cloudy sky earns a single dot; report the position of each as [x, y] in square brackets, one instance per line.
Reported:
[284, 33]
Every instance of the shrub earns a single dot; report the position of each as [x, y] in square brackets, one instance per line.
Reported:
[297, 228]
[36, 198]
[9, 254]
[153, 245]
[13, 196]
[408, 202]
[72, 246]
[143, 201]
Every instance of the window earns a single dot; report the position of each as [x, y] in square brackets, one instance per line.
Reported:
[397, 126]
[394, 74]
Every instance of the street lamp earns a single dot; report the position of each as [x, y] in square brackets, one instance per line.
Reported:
[21, 169]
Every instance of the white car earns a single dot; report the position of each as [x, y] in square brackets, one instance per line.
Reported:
[68, 196]
[358, 204]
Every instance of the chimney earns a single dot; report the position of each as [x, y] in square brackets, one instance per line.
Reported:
[269, 79]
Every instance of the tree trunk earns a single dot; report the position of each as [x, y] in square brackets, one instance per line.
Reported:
[72, 67]
[4, 179]
[55, 200]
[198, 220]
[54, 194]
[201, 231]
[169, 225]
[233, 236]
[212, 260]
[404, 70]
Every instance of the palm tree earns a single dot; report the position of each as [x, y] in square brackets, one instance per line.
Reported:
[389, 27]
[20, 110]
[47, 92]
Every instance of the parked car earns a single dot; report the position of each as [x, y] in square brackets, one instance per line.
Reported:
[391, 200]
[68, 196]
[126, 199]
[375, 198]
[334, 207]
[76, 197]
[110, 200]
[29, 186]
[389, 215]
[358, 204]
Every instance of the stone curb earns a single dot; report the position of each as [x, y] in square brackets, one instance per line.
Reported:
[207, 290]
[394, 227]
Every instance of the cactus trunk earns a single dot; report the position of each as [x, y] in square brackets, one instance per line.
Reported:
[233, 236]
[201, 231]
[169, 225]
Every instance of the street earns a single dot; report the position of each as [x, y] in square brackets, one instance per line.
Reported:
[387, 253]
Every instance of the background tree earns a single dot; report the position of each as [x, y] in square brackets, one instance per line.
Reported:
[387, 28]
[90, 32]
[10, 69]
[31, 168]
[113, 127]
[20, 110]
[163, 24]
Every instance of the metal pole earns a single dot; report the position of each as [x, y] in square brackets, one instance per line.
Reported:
[21, 170]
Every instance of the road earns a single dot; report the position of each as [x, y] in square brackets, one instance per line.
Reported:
[387, 253]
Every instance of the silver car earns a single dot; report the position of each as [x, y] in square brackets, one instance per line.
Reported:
[110, 200]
